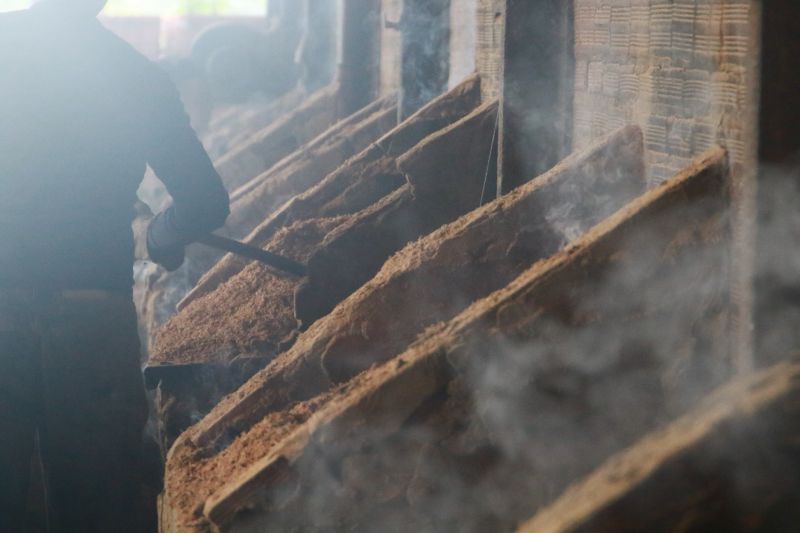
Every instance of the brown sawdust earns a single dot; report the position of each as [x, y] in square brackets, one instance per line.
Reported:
[347, 322]
[358, 182]
[252, 313]
[194, 478]
[437, 339]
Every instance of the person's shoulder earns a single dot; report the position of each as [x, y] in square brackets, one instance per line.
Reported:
[124, 53]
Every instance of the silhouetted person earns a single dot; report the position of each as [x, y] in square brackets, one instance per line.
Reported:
[81, 114]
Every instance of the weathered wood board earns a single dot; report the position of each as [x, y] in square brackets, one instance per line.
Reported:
[577, 358]
[732, 464]
[359, 182]
[261, 196]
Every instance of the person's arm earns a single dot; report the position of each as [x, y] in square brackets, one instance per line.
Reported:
[200, 203]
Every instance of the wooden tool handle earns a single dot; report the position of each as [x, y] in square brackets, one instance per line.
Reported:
[275, 261]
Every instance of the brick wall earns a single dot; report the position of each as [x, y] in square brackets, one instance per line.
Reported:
[683, 69]
[490, 45]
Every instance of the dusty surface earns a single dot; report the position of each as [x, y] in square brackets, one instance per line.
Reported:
[161, 291]
[475, 409]
[445, 182]
[259, 197]
[250, 314]
[435, 278]
[703, 470]
[359, 182]
[200, 475]
[280, 138]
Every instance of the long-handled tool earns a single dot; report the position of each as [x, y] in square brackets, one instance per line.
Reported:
[175, 373]
[278, 262]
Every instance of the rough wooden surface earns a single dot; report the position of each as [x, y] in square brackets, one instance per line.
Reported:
[433, 279]
[251, 314]
[518, 391]
[445, 182]
[359, 182]
[280, 138]
[257, 199]
[732, 464]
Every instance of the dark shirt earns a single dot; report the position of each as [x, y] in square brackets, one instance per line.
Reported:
[81, 115]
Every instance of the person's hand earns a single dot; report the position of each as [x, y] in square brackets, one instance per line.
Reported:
[162, 247]
[171, 258]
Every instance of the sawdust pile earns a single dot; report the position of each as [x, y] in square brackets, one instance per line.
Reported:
[444, 182]
[161, 292]
[517, 393]
[250, 314]
[203, 333]
[359, 182]
[258, 198]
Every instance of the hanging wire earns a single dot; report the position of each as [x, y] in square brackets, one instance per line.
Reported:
[489, 162]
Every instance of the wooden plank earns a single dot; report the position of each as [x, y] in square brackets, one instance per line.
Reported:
[556, 303]
[732, 464]
[387, 226]
[433, 279]
[445, 182]
[359, 182]
[258, 198]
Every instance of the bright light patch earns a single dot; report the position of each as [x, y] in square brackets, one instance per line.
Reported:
[186, 7]
[168, 7]
[13, 5]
